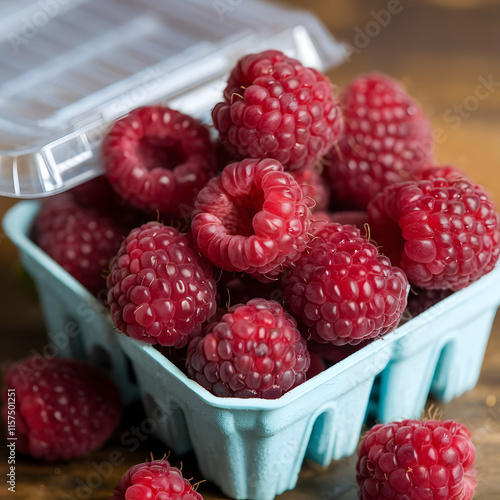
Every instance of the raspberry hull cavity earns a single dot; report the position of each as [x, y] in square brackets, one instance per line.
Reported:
[157, 159]
[253, 218]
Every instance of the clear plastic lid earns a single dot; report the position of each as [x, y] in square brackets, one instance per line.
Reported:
[71, 67]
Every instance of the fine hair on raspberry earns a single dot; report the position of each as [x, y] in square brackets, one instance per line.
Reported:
[253, 218]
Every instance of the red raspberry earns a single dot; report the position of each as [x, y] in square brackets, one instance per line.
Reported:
[255, 351]
[63, 408]
[343, 290]
[386, 140]
[314, 186]
[80, 239]
[159, 289]
[276, 108]
[252, 218]
[444, 233]
[157, 159]
[154, 480]
[443, 171]
[416, 460]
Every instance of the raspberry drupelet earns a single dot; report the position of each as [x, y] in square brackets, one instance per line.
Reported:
[443, 232]
[156, 480]
[81, 239]
[254, 351]
[157, 158]
[159, 289]
[252, 218]
[414, 460]
[64, 408]
[386, 140]
[342, 290]
[274, 107]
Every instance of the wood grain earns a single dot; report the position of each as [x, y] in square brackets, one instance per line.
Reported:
[441, 50]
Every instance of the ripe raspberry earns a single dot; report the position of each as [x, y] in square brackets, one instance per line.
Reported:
[417, 460]
[255, 351]
[64, 408]
[444, 233]
[443, 171]
[314, 186]
[154, 480]
[157, 159]
[80, 239]
[159, 289]
[386, 140]
[276, 108]
[343, 290]
[252, 218]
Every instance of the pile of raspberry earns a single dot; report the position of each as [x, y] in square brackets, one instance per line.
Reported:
[289, 232]
[297, 225]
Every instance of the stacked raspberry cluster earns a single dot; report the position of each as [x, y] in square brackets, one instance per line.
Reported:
[302, 225]
[299, 229]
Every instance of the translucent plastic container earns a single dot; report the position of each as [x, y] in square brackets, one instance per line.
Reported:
[70, 68]
[253, 449]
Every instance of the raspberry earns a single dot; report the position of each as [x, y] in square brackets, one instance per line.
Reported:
[255, 351]
[154, 480]
[64, 408]
[417, 460]
[314, 186]
[80, 239]
[386, 140]
[159, 289]
[446, 171]
[96, 193]
[276, 108]
[252, 218]
[444, 233]
[335, 353]
[343, 290]
[157, 159]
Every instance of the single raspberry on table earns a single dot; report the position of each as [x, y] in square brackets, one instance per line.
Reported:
[414, 460]
[159, 289]
[314, 186]
[157, 159]
[63, 408]
[386, 140]
[274, 107]
[342, 290]
[80, 239]
[255, 351]
[156, 480]
[252, 218]
[444, 233]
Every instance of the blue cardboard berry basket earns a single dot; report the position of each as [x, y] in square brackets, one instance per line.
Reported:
[253, 448]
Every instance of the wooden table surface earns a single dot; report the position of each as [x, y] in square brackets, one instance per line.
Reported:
[446, 52]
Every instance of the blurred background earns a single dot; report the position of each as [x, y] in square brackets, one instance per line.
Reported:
[446, 52]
